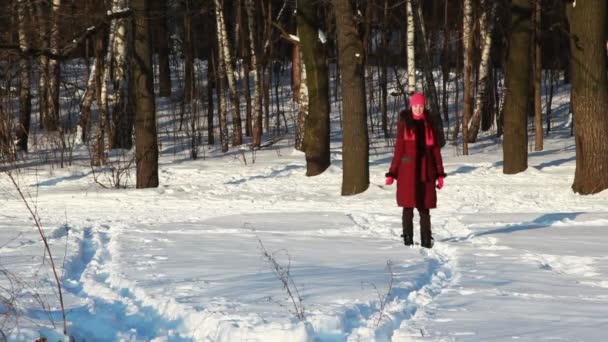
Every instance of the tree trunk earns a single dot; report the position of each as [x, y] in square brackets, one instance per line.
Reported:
[538, 70]
[316, 135]
[303, 106]
[257, 90]
[384, 70]
[43, 15]
[430, 89]
[146, 147]
[589, 94]
[84, 122]
[481, 102]
[188, 46]
[517, 83]
[164, 71]
[52, 119]
[355, 141]
[122, 116]
[210, 85]
[411, 48]
[220, 85]
[226, 59]
[467, 38]
[25, 96]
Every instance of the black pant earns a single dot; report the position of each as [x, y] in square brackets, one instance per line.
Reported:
[425, 226]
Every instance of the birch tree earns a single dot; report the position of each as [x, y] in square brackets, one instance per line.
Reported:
[481, 101]
[589, 94]
[226, 60]
[517, 83]
[411, 47]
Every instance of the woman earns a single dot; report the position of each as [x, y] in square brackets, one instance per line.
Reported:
[417, 166]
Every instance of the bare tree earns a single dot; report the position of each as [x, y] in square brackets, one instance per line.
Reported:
[226, 60]
[411, 48]
[122, 116]
[481, 101]
[54, 71]
[355, 140]
[162, 37]
[538, 71]
[146, 147]
[517, 82]
[316, 135]
[589, 94]
[25, 97]
[257, 88]
[467, 38]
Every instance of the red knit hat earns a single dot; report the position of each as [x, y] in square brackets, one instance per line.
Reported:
[417, 99]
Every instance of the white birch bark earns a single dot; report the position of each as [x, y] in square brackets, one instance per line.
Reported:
[303, 108]
[485, 27]
[227, 60]
[411, 48]
[222, 114]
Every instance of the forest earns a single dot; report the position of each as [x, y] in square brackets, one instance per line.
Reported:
[237, 74]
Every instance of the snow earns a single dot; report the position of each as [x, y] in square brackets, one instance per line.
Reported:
[517, 257]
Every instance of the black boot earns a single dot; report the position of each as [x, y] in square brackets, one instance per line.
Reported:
[426, 237]
[407, 221]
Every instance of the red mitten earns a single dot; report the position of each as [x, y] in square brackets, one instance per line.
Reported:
[439, 182]
[389, 180]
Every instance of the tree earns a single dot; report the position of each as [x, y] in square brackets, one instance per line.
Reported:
[538, 71]
[411, 48]
[355, 141]
[589, 94]
[481, 101]
[467, 37]
[316, 135]
[54, 72]
[257, 87]
[122, 116]
[164, 71]
[25, 96]
[146, 147]
[517, 82]
[226, 61]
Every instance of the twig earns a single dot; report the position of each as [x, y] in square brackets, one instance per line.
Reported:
[46, 246]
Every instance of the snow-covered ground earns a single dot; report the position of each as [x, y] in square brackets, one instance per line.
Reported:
[517, 257]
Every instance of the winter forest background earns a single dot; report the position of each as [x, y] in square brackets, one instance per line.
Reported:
[256, 122]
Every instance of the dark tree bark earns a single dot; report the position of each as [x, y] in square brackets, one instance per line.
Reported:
[146, 147]
[316, 135]
[355, 140]
[25, 95]
[589, 94]
[188, 46]
[164, 71]
[517, 69]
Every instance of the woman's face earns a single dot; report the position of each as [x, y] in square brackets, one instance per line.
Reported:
[417, 109]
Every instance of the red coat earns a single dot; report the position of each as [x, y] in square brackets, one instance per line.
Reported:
[408, 161]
